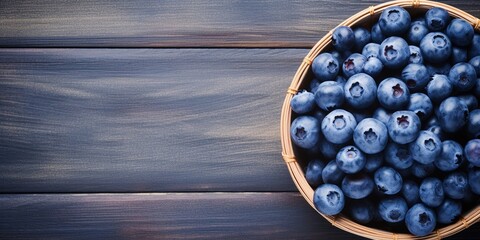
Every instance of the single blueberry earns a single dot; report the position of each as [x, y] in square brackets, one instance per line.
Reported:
[382, 115]
[451, 156]
[421, 105]
[403, 127]
[371, 50]
[338, 125]
[373, 66]
[437, 19]
[452, 114]
[449, 211]
[374, 162]
[377, 34]
[394, 21]
[460, 32]
[388, 181]
[439, 88]
[420, 220]
[343, 38]
[455, 185]
[305, 131]
[350, 159]
[313, 86]
[462, 76]
[426, 148]
[302, 102]
[329, 96]
[329, 199]
[361, 211]
[393, 94]
[474, 49]
[398, 156]
[459, 54]
[325, 67]
[422, 170]
[416, 32]
[473, 123]
[475, 62]
[357, 186]
[392, 209]
[394, 52]
[327, 149]
[431, 192]
[415, 55]
[353, 64]
[472, 152]
[370, 135]
[436, 47]
[332, 173]
[313, 173]
[360, 91]
[410, 192]
[474, 179]
[469, 100]
[416, 76]
[362, 38]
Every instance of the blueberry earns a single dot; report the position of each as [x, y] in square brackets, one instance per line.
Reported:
[332, 173]
[382, 115]
[329, 150]
[325, 67]
[474, 49]
[421, 105]
[377, 34]
[374, 161]
[388, 180]
[393, 94]
[462, 76]
[370, 135]
[360, 91]
[329, 199]
[313, 86]
[305, 131]
[416, 32]
[473, 123]
[303, 102]
[392, 209]
[415, 55]
[452, 114]
[338, 126]
[371, 50]
[340, 80]
[472, 152]
[403, 127]
[469, 100]
[350, 159]
[455, 185]
[439, 88]
[353, 64]
[431, 192]
[436, 47]
[394, 52]
[357, 186]
[474, 179]
[458, 55]
[361, 211]
[410, 192]
[451, 156]
[373, 66]
[475, 62]
[437, 19]
[437, 130]
[420, 220]
[422, 170]
[313, 173]
[460, 32]
[394, 21]
[416, 76]
[426, 148]
[329, 96]
[362, 38]
[343, 38]
[398, 156]
[449, 211]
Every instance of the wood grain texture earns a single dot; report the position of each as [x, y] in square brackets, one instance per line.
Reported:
[142, 120]
[167, 216]
[171, 23]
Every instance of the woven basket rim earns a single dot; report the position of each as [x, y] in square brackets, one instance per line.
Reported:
[295, 169]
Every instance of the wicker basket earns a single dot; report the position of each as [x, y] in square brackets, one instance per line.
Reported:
[301, 78]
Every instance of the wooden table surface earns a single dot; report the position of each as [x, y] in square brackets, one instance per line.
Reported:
[156, 119]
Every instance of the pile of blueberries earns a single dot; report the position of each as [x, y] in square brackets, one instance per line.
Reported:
[389, 124]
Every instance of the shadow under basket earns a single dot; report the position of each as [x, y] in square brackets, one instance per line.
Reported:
[303, 76]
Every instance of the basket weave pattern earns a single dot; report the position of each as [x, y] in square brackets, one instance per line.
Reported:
[301, 76]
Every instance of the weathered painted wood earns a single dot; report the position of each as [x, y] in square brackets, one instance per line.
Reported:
[167, 216]
[172, 23]
[135, 120]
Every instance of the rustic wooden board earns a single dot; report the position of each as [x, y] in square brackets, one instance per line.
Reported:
[167, 216]
[142, 120]
[172, 23]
